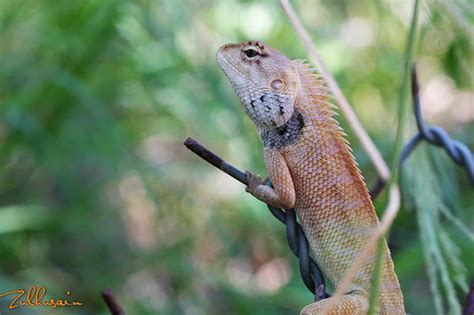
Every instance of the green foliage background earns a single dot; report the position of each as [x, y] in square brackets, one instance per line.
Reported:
[97, 190]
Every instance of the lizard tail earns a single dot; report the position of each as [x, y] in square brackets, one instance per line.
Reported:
[349, 304]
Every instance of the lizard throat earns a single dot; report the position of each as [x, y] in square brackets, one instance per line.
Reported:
[286, 134]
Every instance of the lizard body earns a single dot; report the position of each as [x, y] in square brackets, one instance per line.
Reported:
[311, 168]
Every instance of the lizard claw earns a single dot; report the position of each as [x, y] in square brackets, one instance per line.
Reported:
[254, 181]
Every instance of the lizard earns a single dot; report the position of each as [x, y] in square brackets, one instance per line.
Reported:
[311, 167]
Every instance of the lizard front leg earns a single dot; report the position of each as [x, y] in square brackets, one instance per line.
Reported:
[282, 195]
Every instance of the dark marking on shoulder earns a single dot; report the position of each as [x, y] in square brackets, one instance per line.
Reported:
[285, 135]
[262, 98]
[252, 103]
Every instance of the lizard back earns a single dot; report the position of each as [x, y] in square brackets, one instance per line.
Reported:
[332, 200]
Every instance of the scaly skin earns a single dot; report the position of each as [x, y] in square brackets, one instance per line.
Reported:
[312, 170]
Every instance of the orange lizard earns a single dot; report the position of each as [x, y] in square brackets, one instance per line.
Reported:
[312, 170]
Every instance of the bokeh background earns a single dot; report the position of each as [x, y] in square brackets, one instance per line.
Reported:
[97, 190]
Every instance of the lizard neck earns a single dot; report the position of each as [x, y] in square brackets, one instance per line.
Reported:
[286, 134]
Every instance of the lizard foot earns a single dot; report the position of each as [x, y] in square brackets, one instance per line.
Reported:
[254, 181]
[263, 192]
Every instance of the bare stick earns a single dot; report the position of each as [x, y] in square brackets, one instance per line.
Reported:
[112, 303]
[213, 159]
[469, 304]
[367, 144]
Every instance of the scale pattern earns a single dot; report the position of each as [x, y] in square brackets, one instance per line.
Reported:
[332, 200]
[312, 169]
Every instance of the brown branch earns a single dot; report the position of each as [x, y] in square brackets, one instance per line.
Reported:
[469, 303]
[213, 159]
[112, 303]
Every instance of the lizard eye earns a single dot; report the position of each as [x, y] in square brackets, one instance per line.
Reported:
[251, 52]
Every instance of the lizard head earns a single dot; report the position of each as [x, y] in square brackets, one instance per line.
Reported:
[263, 78]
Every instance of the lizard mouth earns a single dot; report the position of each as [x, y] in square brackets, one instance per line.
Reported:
[226, 65]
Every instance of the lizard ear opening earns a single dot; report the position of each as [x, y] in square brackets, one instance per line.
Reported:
[277, 84]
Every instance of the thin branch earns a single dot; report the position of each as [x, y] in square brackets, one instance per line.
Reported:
[112, 303]
[213, 159]
[372, 151]
[469, 303]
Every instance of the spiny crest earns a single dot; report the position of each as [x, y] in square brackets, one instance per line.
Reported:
[320, 104]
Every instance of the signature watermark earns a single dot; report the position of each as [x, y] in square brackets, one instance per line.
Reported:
[35, 296]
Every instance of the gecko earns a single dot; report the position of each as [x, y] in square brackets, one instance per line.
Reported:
[312, 169]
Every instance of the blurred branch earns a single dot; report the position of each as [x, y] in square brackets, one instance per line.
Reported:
[372, 151]
[112, 303]
[469, 304]
[436, 136]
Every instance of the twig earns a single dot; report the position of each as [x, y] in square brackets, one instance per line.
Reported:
[435, 136]
[213, 159]
[469, 303]
[377, 188]
[112, 303]
[372, 151]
